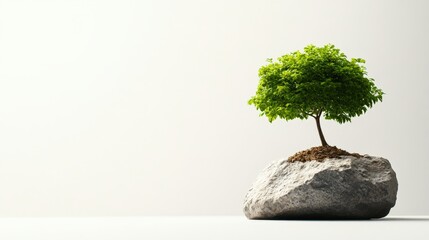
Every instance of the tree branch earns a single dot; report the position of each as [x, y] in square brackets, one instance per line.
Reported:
[309, 114]
[320, 112]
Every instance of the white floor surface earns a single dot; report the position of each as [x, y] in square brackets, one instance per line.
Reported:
[210, 227]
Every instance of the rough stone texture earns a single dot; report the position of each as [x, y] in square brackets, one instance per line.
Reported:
[343, 188]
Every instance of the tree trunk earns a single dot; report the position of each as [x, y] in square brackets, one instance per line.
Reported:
[319, 129]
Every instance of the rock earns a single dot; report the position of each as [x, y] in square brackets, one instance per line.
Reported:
[347, 187]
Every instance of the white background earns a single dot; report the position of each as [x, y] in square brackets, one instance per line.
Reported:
[112, 108]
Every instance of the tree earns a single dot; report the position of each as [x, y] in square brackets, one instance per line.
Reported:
[320, 81]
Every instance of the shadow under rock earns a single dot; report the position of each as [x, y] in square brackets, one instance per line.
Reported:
[403, 219]
[410, 219]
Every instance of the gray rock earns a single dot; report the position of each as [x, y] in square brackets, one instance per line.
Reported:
[343, 188]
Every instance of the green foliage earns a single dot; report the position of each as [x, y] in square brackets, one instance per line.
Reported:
[320, 81]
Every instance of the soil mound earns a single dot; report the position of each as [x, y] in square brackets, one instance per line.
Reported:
[320, 153]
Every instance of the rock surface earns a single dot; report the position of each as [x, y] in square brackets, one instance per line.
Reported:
[342, 188]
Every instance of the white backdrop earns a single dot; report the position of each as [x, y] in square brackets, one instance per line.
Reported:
[140, 107]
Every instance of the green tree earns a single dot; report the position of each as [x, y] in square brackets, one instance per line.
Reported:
[320, 81]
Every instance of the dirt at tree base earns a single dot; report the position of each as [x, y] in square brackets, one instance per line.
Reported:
[320, 153]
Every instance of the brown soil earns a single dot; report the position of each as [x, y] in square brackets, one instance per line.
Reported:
[320, 153]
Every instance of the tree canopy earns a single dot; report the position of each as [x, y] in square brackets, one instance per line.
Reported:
[320, 81]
